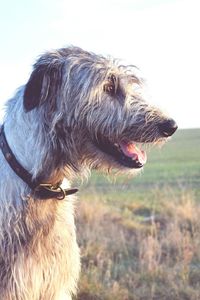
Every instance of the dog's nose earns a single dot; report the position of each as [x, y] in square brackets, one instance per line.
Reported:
[168, 127]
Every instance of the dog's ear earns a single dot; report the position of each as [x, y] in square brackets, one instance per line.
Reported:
[42, 86]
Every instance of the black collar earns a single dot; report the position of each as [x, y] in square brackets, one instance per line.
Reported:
[40, 190]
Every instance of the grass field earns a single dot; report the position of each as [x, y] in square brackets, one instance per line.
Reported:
[140, 238]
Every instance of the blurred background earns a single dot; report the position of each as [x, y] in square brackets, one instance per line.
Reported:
[161, 37]
[139, 238]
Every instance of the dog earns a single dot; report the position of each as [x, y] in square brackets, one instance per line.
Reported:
[78, 111]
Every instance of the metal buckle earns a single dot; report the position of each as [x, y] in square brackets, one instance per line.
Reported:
[53, 191]
[59, 192]
[43, 185]
[62, 193]
[47, 185]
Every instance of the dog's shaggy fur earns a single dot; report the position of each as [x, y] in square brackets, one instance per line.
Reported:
[71, 116]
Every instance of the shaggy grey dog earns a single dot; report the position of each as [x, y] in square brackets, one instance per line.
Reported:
[78, 111]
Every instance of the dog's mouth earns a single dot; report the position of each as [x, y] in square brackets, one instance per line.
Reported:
[126, 153]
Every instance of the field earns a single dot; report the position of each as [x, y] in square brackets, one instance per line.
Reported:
[140, 238]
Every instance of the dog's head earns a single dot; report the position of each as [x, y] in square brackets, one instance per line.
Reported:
[95, 109]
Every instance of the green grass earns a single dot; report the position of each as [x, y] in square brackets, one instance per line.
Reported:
[140, 237]
[178, 160]
[176, 164]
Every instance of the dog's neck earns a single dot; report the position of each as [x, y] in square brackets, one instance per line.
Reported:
[31, 147]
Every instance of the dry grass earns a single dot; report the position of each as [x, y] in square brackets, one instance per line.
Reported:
[127, 255]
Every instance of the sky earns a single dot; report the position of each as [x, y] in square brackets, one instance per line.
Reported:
[160, 37]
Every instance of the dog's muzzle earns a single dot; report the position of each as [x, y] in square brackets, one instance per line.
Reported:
[167, 128]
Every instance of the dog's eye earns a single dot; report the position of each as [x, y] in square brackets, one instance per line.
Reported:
[111, 86]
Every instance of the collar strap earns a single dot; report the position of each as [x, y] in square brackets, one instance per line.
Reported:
[40, 190]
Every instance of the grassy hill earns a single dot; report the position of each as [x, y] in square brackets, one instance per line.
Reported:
[140, 238]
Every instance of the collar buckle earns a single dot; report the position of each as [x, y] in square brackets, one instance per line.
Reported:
[47, 190]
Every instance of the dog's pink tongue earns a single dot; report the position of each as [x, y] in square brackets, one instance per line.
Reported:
[130, 150]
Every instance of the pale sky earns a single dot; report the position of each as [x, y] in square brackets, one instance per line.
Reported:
[161, 37]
